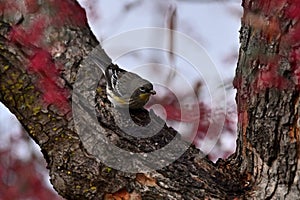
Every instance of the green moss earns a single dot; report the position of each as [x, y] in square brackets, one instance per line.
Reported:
[5, 68]
[36, 110]
[108, 169]
[93, 188]
[78, 187]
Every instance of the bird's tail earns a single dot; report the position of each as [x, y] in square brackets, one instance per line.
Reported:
[99, 57]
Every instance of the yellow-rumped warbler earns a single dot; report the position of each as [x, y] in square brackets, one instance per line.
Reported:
[124, 89]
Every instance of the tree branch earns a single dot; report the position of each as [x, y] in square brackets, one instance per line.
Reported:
[57, 99]
[74, 170]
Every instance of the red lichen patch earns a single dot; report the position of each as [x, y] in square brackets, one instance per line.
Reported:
[68, 12]
[268, 79]
[295, 63]
[267, 7]
[270, 7]
[32, 6]
[293, 9]
[33, 35]
[42, 64]
[9, 7]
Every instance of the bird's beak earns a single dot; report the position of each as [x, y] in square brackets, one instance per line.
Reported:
[152, 92]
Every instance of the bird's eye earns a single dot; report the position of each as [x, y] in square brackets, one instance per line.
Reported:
[143, 89]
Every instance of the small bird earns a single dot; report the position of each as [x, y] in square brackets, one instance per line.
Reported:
[123, 88]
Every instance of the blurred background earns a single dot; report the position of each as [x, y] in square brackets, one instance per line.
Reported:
[214, 24]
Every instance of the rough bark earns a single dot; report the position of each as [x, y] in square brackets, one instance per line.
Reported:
[266, 162]
[268, 100]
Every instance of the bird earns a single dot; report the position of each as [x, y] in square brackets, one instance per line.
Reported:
[124, 89]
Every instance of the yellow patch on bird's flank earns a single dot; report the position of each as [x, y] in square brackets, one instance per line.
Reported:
[119, 100]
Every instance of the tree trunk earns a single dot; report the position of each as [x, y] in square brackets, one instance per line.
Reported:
[42, 48]
[267, 82]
